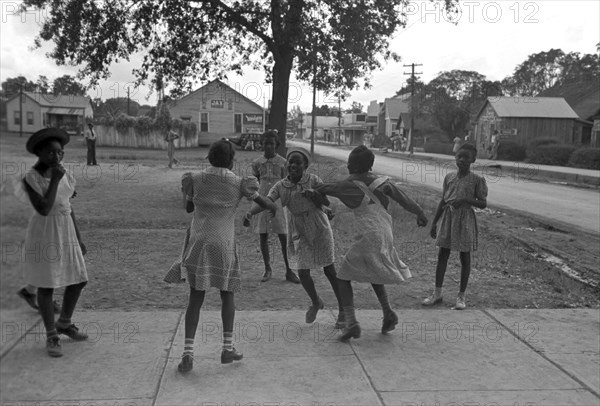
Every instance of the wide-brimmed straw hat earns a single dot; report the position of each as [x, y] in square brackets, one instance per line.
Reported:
[44, 134]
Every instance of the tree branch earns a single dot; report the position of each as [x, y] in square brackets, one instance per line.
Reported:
[239, 19]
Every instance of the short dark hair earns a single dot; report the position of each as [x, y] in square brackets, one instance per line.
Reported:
[360, 160]
[270, 135]
[221, 153]
[468, 147]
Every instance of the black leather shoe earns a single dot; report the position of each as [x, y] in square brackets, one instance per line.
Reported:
[311, 313]
[186, 364]
[53, 347]
[228, 356]
[351, 332]
[72, 332]
[389, 323]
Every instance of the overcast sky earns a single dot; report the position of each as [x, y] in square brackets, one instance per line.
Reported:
[491, 37]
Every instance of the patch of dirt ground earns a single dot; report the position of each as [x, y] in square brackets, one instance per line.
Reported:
[130, 214]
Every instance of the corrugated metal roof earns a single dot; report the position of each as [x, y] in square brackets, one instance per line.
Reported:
[539, 107]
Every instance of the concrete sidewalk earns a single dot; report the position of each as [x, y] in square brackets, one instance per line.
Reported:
[435, 356]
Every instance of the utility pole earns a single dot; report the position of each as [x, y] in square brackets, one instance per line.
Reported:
[412, 102]
[20, 109]
[314, 101]
[339, 118]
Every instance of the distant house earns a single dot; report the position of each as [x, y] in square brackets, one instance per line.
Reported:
[326, 128]
[521, 119]
[584, 99]
[219, 111]
[353, 128]
[47, 110]
[389, 113]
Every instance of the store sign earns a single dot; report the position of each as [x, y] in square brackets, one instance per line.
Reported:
[508, 131]
[217, 104]
[253, 118]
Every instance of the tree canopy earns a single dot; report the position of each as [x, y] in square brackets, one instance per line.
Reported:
[334, 44]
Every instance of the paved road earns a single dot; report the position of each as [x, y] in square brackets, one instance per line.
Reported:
[571, 206]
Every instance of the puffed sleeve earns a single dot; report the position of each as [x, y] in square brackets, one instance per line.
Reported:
[249, 187]
[187, 184]
[17, 187]
[481, 189]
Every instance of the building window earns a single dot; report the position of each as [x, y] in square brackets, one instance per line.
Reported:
[30, 118]
[237, 123]
[17, 117]
[361, 118]
[204, 122]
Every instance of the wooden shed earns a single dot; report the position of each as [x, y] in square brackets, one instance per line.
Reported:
[219, 111]
[522, 119]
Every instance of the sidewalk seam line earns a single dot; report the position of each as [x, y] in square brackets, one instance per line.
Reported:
[362, 366]
[9, 349]
[541, 354]
[167, 357]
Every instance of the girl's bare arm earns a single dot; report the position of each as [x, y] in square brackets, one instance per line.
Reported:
[43, 204]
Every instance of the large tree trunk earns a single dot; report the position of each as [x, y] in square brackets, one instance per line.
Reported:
[279, 101]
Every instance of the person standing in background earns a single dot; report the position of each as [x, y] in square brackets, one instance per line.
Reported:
[170, 139]
[457, 143]
[90, 139]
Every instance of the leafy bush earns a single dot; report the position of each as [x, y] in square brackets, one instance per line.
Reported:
[143, 124]
[551, 154]
[511, 151]
[538, 142]
[186, 129]
[586, 157]
[438, 147]
[123, 122]
[163, 119]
